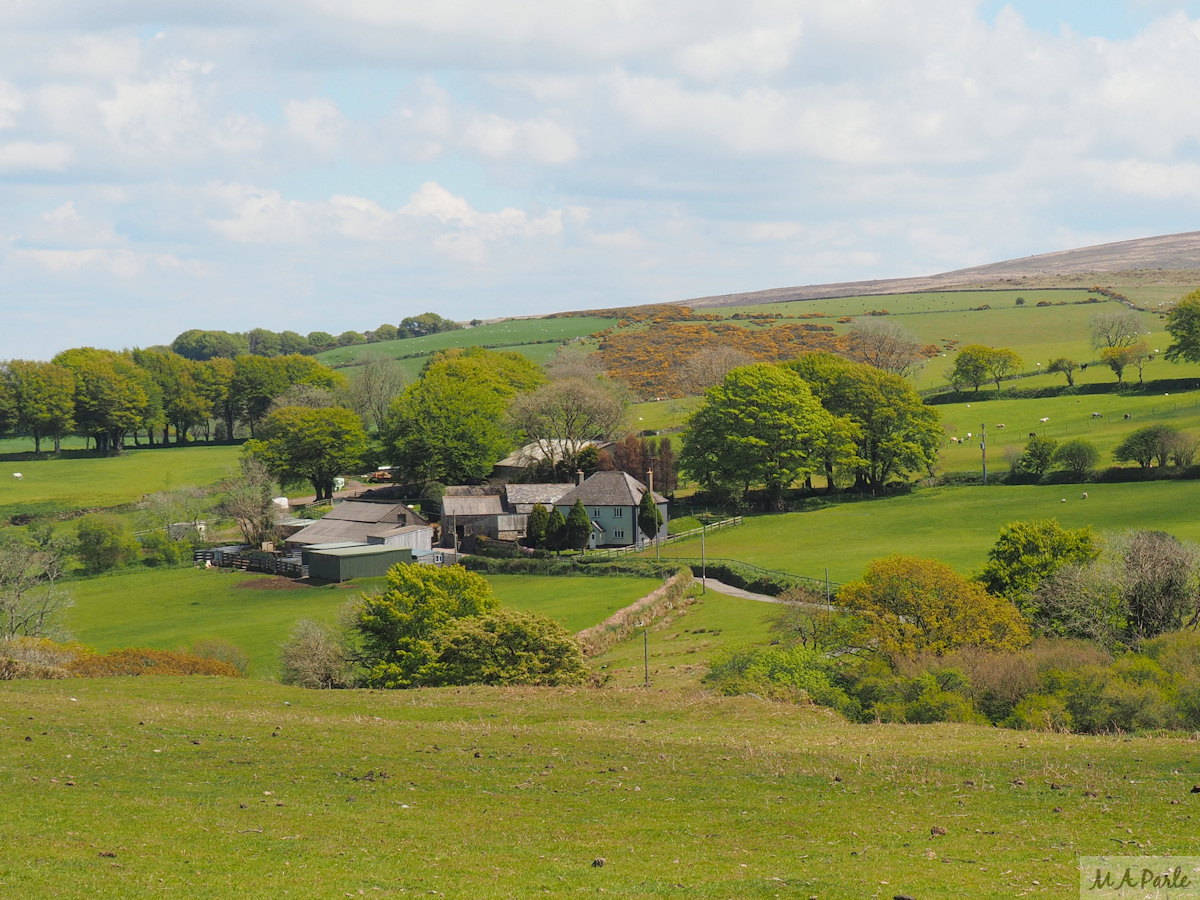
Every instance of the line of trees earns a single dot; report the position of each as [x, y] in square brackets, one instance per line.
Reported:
[108, 396]
[199, 344]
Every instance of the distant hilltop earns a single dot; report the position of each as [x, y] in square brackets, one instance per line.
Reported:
[1167, 259]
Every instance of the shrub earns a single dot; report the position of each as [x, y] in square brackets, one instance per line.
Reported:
[1078, 457]
[314, 656]
[142, 661]
[507, 647]
[163, 550]
[1041, 713]
[1026, 553]
[789, 673]
[223, 651]
[1039, 453]
[103, 544]
[914, 605]
[40, 651]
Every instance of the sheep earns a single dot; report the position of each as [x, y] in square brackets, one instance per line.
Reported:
[1084, 495]
[968, 435]
[1083, 367]
[1097, 415]
[1128, 417]
[953, 440]
[1001, 425]
[18, 476]
[1033, 434]
[1044, 419]
[1063, 500]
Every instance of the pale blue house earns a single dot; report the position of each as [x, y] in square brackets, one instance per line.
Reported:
[612, 500]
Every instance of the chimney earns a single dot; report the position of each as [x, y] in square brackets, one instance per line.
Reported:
[578, 477]
[650, 482]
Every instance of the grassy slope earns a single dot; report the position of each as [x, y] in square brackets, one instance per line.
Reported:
[511, 334]
[171, 608]
[957, 525]
[50, 485]
[211, 788]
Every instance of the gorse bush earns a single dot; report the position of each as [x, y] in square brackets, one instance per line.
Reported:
[143, 661]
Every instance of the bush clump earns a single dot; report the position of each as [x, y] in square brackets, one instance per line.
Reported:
[143, 661]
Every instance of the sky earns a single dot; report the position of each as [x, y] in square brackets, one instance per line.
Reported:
[338, 164]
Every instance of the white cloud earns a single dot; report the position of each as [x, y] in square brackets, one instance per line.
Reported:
[119, 263]
[11, 103]
[317, 122]
[537, 140]
[760, 51]
[66, 225]
[29, 156]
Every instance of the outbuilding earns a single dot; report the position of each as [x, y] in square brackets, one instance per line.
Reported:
[354, 561]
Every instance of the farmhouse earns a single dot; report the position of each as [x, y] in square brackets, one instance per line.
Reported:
[519, 462]
[612, 500]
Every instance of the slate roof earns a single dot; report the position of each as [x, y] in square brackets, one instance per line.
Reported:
[522, 498]
[536, 451]
[608, 489]
[357, 511]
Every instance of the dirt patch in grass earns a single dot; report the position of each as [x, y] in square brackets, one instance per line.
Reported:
[271, 583]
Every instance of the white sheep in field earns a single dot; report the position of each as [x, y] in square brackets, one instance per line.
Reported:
[1084, 495]
[18, 476]
[1097, 415]
[968, 435]
[953, 440]
[1044, 419]
[1001, 425]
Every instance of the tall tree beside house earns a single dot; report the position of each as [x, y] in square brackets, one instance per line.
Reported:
[666, 465]
[649, 516]
[42, 396]
[556, 530]
[314, 445]
[537, 526]
[446, 429]
[562, 416]
[578, 527]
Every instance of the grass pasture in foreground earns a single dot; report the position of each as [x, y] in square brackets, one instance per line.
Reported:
[957, 525]
[210, 788]
[166, 609]
[84, 482]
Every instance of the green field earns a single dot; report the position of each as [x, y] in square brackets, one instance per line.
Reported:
[955, 524]
[167, 609]
[210, 788]
[85, 482]
[535, 338]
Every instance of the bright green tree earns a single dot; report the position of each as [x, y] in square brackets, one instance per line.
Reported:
[399, 628]
[1183, 324]
[43, 400]
[882, 427]
[971, 367]
[1027, 553]
[579, 527]
[1146, 445]
[1001, 363]
[446, 429]
[760, 425]
[506, 372]
[314, 445]
[507, 647]
[113, 396]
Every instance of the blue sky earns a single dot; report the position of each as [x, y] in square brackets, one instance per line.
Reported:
[337, 164]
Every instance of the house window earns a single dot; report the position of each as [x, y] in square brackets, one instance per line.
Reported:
[596, 513]
[618, 533]
[618, 511]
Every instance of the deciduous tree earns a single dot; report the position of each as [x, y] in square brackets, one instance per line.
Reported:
[1026, 553]
[1064, 366]
[1183, 324]
[914, 605]
[314, 445]
[43, 400]
[1118, 328]
[885, 344]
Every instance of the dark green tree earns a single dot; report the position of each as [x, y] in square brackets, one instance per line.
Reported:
[556, 531]
[507, 647]
[1147, 445]
[102, 543]
[535, 529]
[1038, 455]
[1078, 457]
[1064, 366]
[200, 345]
[650, 518]
[578, 527]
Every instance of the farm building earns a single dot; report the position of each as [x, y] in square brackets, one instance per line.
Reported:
[344, 562]
[355, 521]
[519, 462]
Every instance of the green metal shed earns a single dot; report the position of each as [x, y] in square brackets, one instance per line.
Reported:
[358, 561]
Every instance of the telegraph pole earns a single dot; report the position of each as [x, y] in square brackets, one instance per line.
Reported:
[983, 447]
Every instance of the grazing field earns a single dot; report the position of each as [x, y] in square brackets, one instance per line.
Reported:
[211, 788]
[85, 482]
[535, 338]
[955, 524]
[166, 609]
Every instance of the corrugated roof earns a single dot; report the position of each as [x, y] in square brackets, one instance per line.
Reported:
[398, 529]
[328, 531]
[358, 511]
[471, 506]
[361, 550]
[608, 489]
